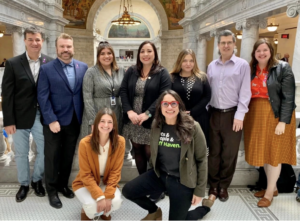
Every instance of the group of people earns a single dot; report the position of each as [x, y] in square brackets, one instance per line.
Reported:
[186, 126]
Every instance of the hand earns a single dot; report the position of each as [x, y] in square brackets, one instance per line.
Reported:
[134, 117]
[54, 127]
[143, 117]
[188, 112]
[237, 125]
[196, 200]
[108, 206]
[101, 205]
[279, 130]
[10, 129]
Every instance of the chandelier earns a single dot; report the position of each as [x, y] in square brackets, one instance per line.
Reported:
[272, 27]
[125, 20]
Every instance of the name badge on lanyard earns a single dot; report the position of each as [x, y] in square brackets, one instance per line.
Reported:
[113, 100]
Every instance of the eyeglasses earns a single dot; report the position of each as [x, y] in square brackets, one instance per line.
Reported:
[103, 42]
[229, 43]
[166, 104]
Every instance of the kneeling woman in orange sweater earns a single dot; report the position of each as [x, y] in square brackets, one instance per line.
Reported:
[101, 157]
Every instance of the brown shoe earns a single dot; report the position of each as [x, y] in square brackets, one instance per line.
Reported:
[214, 191]
[104, 217]
[261, 194]
[264, 202]
[154, 216]
[223, 194]
[84, 216]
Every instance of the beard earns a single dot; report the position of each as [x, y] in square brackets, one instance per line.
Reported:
[60, 55]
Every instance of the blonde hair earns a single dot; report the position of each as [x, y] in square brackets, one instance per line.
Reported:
[63, 36]
[196, 71]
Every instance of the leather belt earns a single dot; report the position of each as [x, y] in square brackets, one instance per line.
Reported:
[224, 110]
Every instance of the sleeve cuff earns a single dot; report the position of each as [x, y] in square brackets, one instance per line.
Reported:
[239, 116]
[100, 198]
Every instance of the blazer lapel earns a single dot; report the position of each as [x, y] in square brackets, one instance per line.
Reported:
[155, 139]
[25, 64]
[184, 148]
[76, 68]
[96, 163]
[58, 67]
[43, 59]
[108, 162]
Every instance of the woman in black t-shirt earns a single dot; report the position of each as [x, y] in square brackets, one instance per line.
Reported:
[178, 158]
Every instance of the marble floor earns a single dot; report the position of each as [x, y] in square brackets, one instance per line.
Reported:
[240, 206]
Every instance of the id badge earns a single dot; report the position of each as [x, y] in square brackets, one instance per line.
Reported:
[113, 101]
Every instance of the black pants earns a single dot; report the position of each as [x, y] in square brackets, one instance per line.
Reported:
[148, 183]
[223, 150]
[59, 153]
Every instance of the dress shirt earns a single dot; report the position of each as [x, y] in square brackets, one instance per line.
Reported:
[230, 85]
[34, 66]
[70, 72]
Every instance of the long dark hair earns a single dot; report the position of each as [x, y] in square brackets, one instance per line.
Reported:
[184, 124]
[272, 61]
[156, 67]
[101, 46]
[113, 135]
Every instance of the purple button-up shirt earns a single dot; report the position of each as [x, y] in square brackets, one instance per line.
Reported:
[230, 85]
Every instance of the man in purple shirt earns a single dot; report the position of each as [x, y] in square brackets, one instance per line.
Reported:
[229, 78]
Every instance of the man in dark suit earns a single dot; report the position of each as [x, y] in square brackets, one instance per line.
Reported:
[285, 57]
[61, 101]
[21, 113]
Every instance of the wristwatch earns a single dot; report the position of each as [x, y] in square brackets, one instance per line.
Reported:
[148, 113]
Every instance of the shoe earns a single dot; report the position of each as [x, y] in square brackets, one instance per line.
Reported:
[38, 188]
[213, 191]
[66, 192]
[207, 202]
[264, 202]
[55, 201]
[104, 217]
[154, 216]
[22, 193]
[297, 188]
[223, 194]
[261, 194]
[84, 216]
[162, 196]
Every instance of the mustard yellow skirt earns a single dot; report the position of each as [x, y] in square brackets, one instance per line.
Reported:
[262, 145]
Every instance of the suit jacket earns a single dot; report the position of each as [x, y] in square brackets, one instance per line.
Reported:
[193, 160]
[19, 95]
[89, 171]
[55, 96]
[155, 85]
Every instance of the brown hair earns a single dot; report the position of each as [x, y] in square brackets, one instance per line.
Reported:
[33, 30]
[156, 67]
[196, 71]
[102, 45]
[113, 135]
[63, 36]
[272, 61]
[184, 124]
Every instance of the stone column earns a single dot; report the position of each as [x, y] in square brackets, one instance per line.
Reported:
[215, 34]
[45, 45]
[292, 11]
[250, 29]
[17, 38]
[201, 51]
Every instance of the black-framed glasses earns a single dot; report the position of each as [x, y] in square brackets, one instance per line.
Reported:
[103, 42]
[172, 103]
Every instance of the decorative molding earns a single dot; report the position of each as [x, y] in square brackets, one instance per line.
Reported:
[207, 37]
[13, 29]
[247, 23]
[215, 33]
[293, 10]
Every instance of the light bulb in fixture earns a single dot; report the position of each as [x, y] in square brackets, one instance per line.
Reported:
[1, 34]
[239, 36]
[276, 41]
[272, 27]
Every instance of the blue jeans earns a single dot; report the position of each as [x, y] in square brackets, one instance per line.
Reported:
[298, 181]
[21, 143]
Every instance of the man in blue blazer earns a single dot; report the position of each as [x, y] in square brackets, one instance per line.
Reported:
[60, 98]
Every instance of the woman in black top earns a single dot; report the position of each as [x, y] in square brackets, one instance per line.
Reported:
[140, 88]
[192, 86]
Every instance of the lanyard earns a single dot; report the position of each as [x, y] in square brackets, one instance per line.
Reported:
[111, 84]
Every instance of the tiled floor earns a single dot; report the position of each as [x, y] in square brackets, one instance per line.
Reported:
[240, 206]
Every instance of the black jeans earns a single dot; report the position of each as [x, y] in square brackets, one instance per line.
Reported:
[148, 183]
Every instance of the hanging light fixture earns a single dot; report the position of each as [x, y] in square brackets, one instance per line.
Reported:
[239, 36]
[276, 41]
[125, 20]
[1, 34]
[272, 27]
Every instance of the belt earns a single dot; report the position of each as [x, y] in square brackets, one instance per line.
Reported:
[224, 110]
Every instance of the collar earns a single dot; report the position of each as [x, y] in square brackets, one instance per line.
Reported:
[28, 58]
[258, 69]
[233, 59]
[64, 64]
